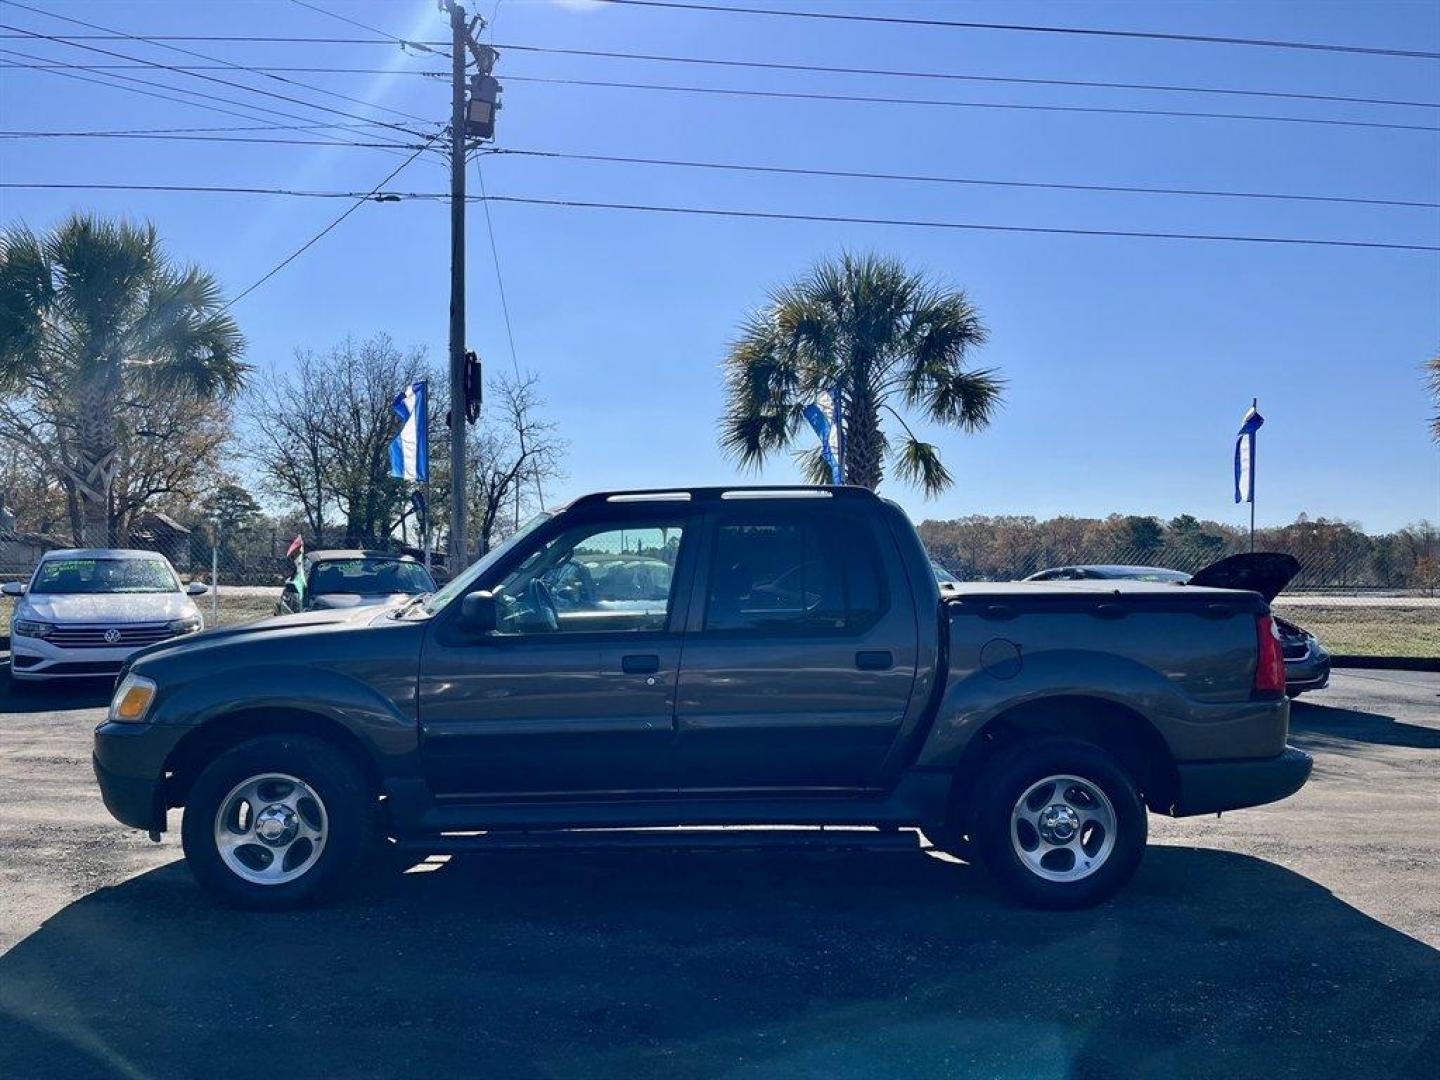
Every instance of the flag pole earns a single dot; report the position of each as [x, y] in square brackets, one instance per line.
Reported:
[1254, 405]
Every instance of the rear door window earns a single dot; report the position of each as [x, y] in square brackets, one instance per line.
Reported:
[804, 577]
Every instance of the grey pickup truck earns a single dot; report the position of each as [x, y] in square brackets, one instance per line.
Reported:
[707, 658]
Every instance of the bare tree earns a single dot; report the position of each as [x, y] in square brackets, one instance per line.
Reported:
[165, 454]
[513, 456]
[320, 435]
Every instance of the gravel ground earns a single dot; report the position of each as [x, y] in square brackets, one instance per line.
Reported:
[1297, 940]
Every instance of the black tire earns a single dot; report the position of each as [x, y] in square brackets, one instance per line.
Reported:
[1006, 779]
[349, 809]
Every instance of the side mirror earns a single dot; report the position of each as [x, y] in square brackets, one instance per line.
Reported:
[13, 588]
[196, 588]
[477, 612]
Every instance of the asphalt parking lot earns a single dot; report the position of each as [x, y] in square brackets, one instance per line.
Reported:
[1293, 940]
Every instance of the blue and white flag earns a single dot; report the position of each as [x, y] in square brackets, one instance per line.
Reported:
[1245, 456]
[824, 417]
[409, 450]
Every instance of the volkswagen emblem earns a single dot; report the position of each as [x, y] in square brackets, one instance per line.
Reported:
[112, 636]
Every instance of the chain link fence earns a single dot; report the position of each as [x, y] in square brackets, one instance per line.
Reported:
[1361, 595]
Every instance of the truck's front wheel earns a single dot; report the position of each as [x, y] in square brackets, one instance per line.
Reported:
[277, 822]
[1059, 823]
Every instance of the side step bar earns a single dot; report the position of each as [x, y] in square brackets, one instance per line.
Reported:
[681, 839]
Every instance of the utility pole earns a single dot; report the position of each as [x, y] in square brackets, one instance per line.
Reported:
[459, 42]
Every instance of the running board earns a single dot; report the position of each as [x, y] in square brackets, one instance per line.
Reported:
[681, 839]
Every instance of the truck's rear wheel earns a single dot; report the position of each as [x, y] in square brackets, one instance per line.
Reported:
[276, 822]
[1059, 823]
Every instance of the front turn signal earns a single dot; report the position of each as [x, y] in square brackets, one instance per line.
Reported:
[132, 699]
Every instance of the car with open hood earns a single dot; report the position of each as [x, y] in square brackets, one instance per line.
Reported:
[84, 612]
[1307, 664]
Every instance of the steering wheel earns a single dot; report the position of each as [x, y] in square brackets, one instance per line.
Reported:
[539, 599]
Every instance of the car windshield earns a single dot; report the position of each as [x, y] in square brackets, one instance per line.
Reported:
[942, 574]
[462, 583]
[1147, 573]
[368, 576]
[104, 575]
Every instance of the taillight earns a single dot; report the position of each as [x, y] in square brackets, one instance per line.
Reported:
[1270, 662]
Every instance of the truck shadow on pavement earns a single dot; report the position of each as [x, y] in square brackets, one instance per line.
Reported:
[632, 965]
[1326, 727]
[38, 697]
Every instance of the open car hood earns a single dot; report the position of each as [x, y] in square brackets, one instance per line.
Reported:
[1264, 572]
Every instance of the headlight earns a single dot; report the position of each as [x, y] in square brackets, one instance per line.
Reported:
[31, 628]
[187, 625]
[132, 699]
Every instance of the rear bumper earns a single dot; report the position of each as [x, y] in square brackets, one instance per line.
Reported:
[1313, 673]
[1208, 787]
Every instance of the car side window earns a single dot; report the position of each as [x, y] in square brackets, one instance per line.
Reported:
[802, 577]
[593, 579]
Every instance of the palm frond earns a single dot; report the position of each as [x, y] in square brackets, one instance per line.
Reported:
[919, 463]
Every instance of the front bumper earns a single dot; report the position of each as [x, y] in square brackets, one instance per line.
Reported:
[1208, 787]
[37, 659]
[129, 761]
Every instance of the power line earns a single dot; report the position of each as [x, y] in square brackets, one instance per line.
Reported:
[168, 137]
[970, 181]
[254, 111]
[402, 42]
[217, 189]
[235, 39]
[373, 193]
[221, 60]
[222, 82]
[216, 135]
[953, 76]
[911, 223]
[797, 95]
[700, 211]
[1143, 35]
[1091, 84]
[213, 135]
[137, 132]
[299, 69]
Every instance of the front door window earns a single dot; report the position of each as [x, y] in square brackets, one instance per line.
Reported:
[592, 579]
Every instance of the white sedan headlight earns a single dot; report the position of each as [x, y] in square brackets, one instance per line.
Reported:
[132, 699]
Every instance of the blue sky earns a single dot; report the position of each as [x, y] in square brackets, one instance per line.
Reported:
[1129, 361]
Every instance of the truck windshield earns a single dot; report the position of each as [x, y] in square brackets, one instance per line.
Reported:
[60, 576]
[462, 584]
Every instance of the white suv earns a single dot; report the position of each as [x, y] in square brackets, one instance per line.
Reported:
[85, 611]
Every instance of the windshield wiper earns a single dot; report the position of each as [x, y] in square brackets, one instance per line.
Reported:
[408, 604]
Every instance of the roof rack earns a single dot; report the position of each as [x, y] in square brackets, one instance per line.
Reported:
[734, 491]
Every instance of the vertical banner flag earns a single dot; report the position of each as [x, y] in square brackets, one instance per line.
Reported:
[409, 450]
[1245, 456]
[296, 551]
[824, 417]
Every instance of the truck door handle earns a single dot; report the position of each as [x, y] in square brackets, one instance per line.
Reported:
[640, 665]
[876, 660]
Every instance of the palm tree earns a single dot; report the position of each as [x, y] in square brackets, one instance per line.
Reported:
[95, 320]
[879, 336]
